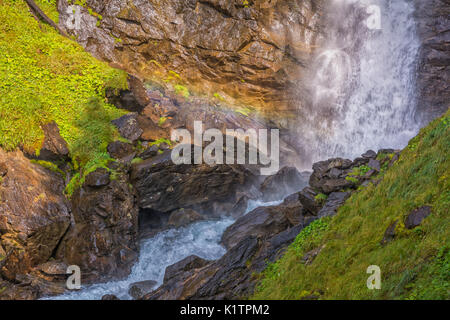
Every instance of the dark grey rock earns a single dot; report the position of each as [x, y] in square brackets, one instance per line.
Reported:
[187, 264]
[138, 289]
[334, 201]
[128, 126]
[416, 217]
[308, 200]
[121, 150]
[370, 154]
[98, 178]
[150, 152]
[389, 234]
[374, 164]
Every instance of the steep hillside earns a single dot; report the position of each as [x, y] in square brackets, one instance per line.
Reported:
[414, 263]
[46, 77]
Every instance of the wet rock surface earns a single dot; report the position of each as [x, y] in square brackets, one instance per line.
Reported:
[260, 237]
[212, 190]
[285, 181]
[139, 289]
[433, 76]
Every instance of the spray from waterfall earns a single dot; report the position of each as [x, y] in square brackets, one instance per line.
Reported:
[361, 88]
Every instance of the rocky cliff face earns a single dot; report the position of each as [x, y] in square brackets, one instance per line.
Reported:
[34, 214]
[433, 76]
[254, 51]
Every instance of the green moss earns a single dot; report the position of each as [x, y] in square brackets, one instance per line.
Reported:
[45, 77]
[415, 265]
[159, 141]
[321, 198]
[137, 160]
[49, 165]
[352, 179]
[182, 90]
[218, 96]
[161, 121]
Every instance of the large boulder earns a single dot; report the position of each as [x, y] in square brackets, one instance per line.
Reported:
[329, 176]
[34, 214]
[286, 181]
[103, 237]
[261, 222]
[211, 190]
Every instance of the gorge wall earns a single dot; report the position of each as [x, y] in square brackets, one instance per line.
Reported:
[249, 52]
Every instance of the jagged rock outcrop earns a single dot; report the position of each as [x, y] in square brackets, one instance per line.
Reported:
[103, 237]
[286, 181]
[211, 190]
[230, 277]
[261, 236]
[253, 51]
[433, 77]
[34, 214]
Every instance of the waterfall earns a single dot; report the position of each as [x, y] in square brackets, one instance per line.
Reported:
[361, 83]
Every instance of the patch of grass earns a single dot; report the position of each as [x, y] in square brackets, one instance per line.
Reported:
[415, 265]
[45, 77]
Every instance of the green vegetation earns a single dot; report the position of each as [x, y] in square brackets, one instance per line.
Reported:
[321, 198]
[137, 160]
[161, 121]
[182, 90]
[49, 165]
[159, 141]
[45, 77]
[415, 265]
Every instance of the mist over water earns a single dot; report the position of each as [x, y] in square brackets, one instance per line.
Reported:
[361, 85]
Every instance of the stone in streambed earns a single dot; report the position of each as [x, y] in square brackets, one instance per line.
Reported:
[109, 297]
[138, 289]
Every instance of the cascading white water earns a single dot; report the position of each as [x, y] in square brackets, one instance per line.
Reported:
[166, 248]
[361, 97]
[362, 92]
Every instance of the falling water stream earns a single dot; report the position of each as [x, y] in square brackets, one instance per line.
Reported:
[361, 97]
[362, 90]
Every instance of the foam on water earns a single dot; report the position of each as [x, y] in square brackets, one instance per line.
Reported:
[166, 248]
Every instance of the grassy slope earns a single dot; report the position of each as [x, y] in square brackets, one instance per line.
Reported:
[44, 77]
[416, 265]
